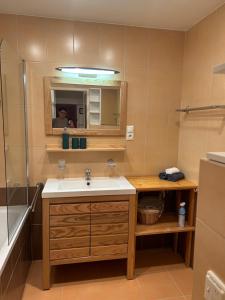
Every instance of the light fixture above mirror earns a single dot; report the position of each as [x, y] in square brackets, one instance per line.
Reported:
[87, 71]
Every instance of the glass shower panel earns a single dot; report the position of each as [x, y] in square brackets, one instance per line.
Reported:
[3, 210]
[14, 126]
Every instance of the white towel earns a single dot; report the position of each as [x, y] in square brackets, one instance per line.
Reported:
[172, 170]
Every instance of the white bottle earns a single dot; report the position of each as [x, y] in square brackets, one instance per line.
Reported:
[182, 212]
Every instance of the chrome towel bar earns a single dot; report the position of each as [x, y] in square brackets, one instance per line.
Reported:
[209, 107]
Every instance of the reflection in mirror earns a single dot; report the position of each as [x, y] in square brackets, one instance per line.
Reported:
[69, 109]
[86, 108]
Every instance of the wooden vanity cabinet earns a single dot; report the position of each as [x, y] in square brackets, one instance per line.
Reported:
[82, 229]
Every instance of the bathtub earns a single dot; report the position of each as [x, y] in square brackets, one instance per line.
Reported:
[18, 215]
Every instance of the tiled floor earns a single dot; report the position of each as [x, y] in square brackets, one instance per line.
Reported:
[161, 277]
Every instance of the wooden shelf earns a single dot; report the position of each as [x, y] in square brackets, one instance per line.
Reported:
[154, 183]
[167, 224]
[57, 149]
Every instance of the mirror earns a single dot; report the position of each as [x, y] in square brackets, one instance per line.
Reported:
[90, 107]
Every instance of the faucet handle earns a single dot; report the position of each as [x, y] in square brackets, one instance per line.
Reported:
[111, 163]
[88, 171]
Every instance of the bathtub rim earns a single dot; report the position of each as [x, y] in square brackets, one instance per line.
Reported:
[6, 248]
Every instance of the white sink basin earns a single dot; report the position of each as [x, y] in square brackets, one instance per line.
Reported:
[70, 187]
[217, 156]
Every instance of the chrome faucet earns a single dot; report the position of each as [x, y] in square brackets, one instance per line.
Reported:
[87, 174]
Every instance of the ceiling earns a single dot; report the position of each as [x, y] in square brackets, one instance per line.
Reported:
[166, 14]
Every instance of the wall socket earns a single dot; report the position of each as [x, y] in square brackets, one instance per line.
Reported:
[130, 132]
[214, 287]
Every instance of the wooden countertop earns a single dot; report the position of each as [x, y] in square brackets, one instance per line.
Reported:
[154, 183]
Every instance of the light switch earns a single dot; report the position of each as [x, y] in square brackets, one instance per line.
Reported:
[130, 132]
[214, 287]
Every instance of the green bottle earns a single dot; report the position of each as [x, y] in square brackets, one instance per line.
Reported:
[65, 139]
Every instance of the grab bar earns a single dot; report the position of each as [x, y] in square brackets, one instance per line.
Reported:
[39, 187]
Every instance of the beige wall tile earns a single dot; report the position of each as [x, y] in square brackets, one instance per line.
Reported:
[9, 29]
[112, 46]
[136, 50]
[212, 188]
[202, 132]
[32, 38]
[59, 40]
[87, 44]
[165, 54]
[141, 55]
[209, 255]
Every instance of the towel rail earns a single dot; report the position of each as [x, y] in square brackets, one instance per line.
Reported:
[209, 107]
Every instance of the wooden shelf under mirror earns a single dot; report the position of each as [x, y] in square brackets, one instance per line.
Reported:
[57, 149]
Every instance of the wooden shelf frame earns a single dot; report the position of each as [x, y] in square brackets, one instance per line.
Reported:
[168, 222]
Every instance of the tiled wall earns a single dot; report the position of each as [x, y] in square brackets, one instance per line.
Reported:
[150, 60]
[202, 132]
[210, 235]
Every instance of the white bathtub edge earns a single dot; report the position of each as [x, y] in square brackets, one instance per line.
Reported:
[7, 249]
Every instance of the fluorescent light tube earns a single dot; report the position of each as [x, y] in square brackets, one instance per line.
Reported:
[92, 71]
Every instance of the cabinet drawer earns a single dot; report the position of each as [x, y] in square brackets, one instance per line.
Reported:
[80, 219]
[69, 209]
[105, 229]
[110, 206]
[109, 250]
[65, 243]
[69, 231]
[69, 253]
[104, 240]
[106, 218]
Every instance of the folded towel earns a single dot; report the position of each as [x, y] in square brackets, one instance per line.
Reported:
[172, 170]
[171, 177]
[175, 176]
[163, 176]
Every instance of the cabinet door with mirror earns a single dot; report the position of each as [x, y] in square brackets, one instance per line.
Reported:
[85, 106]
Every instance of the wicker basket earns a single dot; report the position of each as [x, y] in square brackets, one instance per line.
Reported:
[148, 216]
[150, 209]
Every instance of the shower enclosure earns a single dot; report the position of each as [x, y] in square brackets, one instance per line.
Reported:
[13, 145]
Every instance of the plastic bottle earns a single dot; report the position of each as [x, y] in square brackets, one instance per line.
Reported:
[65, 139]
[182, 213]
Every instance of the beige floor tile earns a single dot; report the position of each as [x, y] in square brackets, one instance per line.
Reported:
[176, 298]
[34, 293]
[158, 285]
[111, 289]
[107, 280]
[183, 277]
[33, 288]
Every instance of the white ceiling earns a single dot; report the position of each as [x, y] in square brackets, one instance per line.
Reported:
[167, 14]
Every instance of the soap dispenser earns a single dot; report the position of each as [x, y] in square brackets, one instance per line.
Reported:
[182, 212]
[65, 139]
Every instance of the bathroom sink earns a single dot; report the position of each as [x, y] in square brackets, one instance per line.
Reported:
[72, 187]
[217, 156]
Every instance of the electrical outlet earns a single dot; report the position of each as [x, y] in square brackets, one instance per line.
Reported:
[214, 287]
[130, 132]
